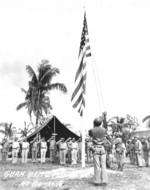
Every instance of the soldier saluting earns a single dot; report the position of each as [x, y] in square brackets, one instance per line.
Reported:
[99, 155]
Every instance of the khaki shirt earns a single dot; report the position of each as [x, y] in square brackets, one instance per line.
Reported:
[52, 144]
[43, 145]
[25, 145]
[15, 145]
[62, 145]
[74, 145]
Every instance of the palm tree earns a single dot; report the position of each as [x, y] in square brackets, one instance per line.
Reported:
[8, 131]
[39, 85]
[25, 131]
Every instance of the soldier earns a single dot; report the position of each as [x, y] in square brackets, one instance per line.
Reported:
[79, 149]
[120, 150]
[5, 148]
[88, 150]
[138, 151]
[1, 147]
[148, 151]
[99, 155]
[34, 149]
[25, 151]
[52, 148]
[108, 148]
[131, 151]
[62, 150]
[69, 144]
[145, 145]
[74, 151]
[43, 150]
[15, 151]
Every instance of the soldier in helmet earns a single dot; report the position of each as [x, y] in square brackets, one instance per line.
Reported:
[120, 150]
[52, 148]
[138, 152]
[62, 150]
[99, 155]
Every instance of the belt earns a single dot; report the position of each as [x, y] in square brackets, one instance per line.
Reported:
[99, 146]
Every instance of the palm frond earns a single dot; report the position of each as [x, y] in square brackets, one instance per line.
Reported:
[57, 86]
[145, 118]
[31, 73]
[48, 75]
[43, 68]
[20, 106]
[23, 90]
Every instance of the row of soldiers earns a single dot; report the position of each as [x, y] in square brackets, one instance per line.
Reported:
[138, 150]
[65, 151]
[117, 152]
[68, 150]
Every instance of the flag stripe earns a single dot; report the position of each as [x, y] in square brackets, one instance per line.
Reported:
[87, 48]
[81, 66]
[88, 55]
[78, 86]
[78, 100]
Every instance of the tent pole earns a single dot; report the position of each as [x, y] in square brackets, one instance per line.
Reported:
[54, 128]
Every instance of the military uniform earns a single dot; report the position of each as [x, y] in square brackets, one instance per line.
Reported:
[99, 154]
[52, 149]
[62, 151]
[108, 146]
[74, 151]
[89, 152]
[5, 150]
[15, 151]
[34, 149]
[139, 152]
[120, 150]
[145, 145]
[131, 151]
[69, 144]
[79, 150]
[148, 151]
[25, 150]
[43, 150]
[1, 147]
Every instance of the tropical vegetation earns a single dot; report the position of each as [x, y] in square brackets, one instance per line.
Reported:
[7, 130]
[37, 100]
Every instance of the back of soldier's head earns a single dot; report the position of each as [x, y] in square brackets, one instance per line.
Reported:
[97, 121]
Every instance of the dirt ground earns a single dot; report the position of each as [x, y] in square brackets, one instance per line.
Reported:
[38, 176]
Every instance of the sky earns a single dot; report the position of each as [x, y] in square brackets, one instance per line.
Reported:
[118, 71]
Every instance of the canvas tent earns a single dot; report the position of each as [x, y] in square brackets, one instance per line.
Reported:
[52, 125]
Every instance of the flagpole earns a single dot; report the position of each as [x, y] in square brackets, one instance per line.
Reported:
[54, 128]
[83, 144]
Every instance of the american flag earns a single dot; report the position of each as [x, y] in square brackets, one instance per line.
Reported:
[78, 96]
